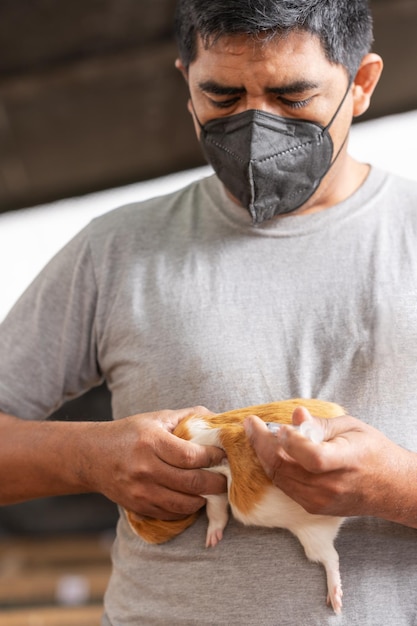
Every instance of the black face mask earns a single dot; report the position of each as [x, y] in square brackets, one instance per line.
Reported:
[271, 164]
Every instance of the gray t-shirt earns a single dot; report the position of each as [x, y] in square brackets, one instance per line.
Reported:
[179, 301]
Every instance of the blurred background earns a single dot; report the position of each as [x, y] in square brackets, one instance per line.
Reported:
[90, 98]
[90, 102]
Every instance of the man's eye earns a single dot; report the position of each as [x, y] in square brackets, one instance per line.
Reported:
[224, 104]
[295, 104]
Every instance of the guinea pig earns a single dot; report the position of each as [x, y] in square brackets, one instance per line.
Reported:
[254, 500]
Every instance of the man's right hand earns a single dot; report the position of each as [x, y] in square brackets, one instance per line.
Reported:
[153, 473]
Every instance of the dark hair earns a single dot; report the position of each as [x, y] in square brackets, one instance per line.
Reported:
[344, 27]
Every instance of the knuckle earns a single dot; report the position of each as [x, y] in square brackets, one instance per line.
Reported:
[181, 506]
[317, 464]
[141, 472]
[200, 410]
[189, 456]
[314, 508]
[195, 483]
[274, 474]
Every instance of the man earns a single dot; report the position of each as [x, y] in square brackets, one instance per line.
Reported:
[290, 273]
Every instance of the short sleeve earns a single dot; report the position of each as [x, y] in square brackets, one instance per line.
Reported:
[48, 340]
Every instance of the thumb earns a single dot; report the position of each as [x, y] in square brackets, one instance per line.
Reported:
[322, 428]
[212, 455]
[311, 427]
[264, 443]
[300, 415]
[191, 455]
[255, 429]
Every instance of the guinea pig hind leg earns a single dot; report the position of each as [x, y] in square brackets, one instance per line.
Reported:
[218, 515]
[317, 542]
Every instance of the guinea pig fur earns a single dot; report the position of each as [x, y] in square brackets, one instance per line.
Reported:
[254, 500]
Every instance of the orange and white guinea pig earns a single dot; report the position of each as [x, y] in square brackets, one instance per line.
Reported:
[254, 500]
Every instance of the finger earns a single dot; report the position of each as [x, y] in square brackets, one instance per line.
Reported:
[277, 452]
[264, 443]
[166, 504]
[193, 482]
[255, 429]
[339, 426]
[175, 505]
[171, 419]
[331, 455]
[331, 426]
[187, 454]
[300, 415]
[182, 453]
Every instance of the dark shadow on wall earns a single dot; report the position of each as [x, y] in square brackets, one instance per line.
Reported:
[90, 98]
[66, 514]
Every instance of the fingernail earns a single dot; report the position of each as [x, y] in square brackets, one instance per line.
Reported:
[273, 427]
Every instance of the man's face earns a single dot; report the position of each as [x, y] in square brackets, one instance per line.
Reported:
[287, 76]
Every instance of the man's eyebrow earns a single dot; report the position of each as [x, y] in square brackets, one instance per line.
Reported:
[216, 89]
[296, 87]
[299, 86]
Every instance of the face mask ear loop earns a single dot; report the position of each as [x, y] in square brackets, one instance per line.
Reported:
[336, 113]
[195, 115]
[326, 128]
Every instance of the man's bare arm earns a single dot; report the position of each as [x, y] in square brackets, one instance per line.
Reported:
[135, 461]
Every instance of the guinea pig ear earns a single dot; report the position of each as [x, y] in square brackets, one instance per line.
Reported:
[365, 81]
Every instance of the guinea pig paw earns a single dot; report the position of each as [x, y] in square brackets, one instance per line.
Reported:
[214, 535]
[334, 598]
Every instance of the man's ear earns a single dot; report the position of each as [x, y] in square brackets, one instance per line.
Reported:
[366, 80]
[184, 72]
[182, 69]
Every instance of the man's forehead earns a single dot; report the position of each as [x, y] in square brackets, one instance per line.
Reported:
[259, 45]
[226, 61]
